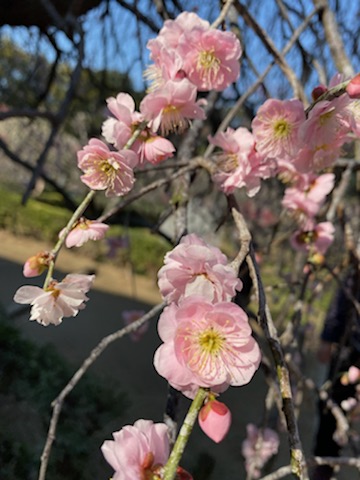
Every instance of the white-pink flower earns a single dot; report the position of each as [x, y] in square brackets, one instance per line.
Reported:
[276, 127]
[239, 164]
[83, 231]
[172, 106]
[205, 345]
[107, 170]
[259, 446]
[194, 267]
[211, 58]
[58, 300]
[138, 450]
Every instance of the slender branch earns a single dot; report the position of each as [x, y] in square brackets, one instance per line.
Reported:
[148, 188]
[271, 48]
[223, 14]
[333, 38]
[57, 404]
[55, 251]
[184, 434]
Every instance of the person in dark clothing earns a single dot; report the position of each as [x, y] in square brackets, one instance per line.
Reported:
[340, 345]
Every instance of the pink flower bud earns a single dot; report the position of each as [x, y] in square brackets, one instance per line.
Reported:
[353, 88]
[36, 264]
[318, 91]
[215, 420]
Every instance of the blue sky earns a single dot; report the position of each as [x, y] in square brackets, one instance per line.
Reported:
[114, 42]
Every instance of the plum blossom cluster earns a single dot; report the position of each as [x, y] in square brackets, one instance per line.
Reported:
[207, 339]
[296, 145]
[259, 446]
[189, 56]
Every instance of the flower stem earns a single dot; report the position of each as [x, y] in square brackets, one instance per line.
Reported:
[184, 434]
[75, 216]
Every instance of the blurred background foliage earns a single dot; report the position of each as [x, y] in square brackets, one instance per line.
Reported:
[30, 378]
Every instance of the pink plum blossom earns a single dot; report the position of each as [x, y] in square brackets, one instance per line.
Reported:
[165, 52]
[353, 87]
[309, 193]
[153, 148]
[172, 106]
[313, 238]
[137, 451]
[37, 264]
[172, 30]
[83, 231]
[58, 300]
[211, 58]
[129, 317]
[239, 164]
[215, 420]
[107, 170]
[276, 127]
[328, 124]
[194, 267]
[168, 66]
[118, 131]
[259, 446]
[205, 345]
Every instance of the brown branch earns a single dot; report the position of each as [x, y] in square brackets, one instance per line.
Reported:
[59, 118]
[271, 48]
[57, 404]
[333, 38]
[29, 113]
[69, 202]
[148, 188]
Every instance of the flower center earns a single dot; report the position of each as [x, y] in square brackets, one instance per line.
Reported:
[207, 60]
[282, 128]
[210, 341]
[172, 120]
[325, 117]
[108, 167]
[227, 163]
[51, 288]
[208, 65]
[308, 237]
